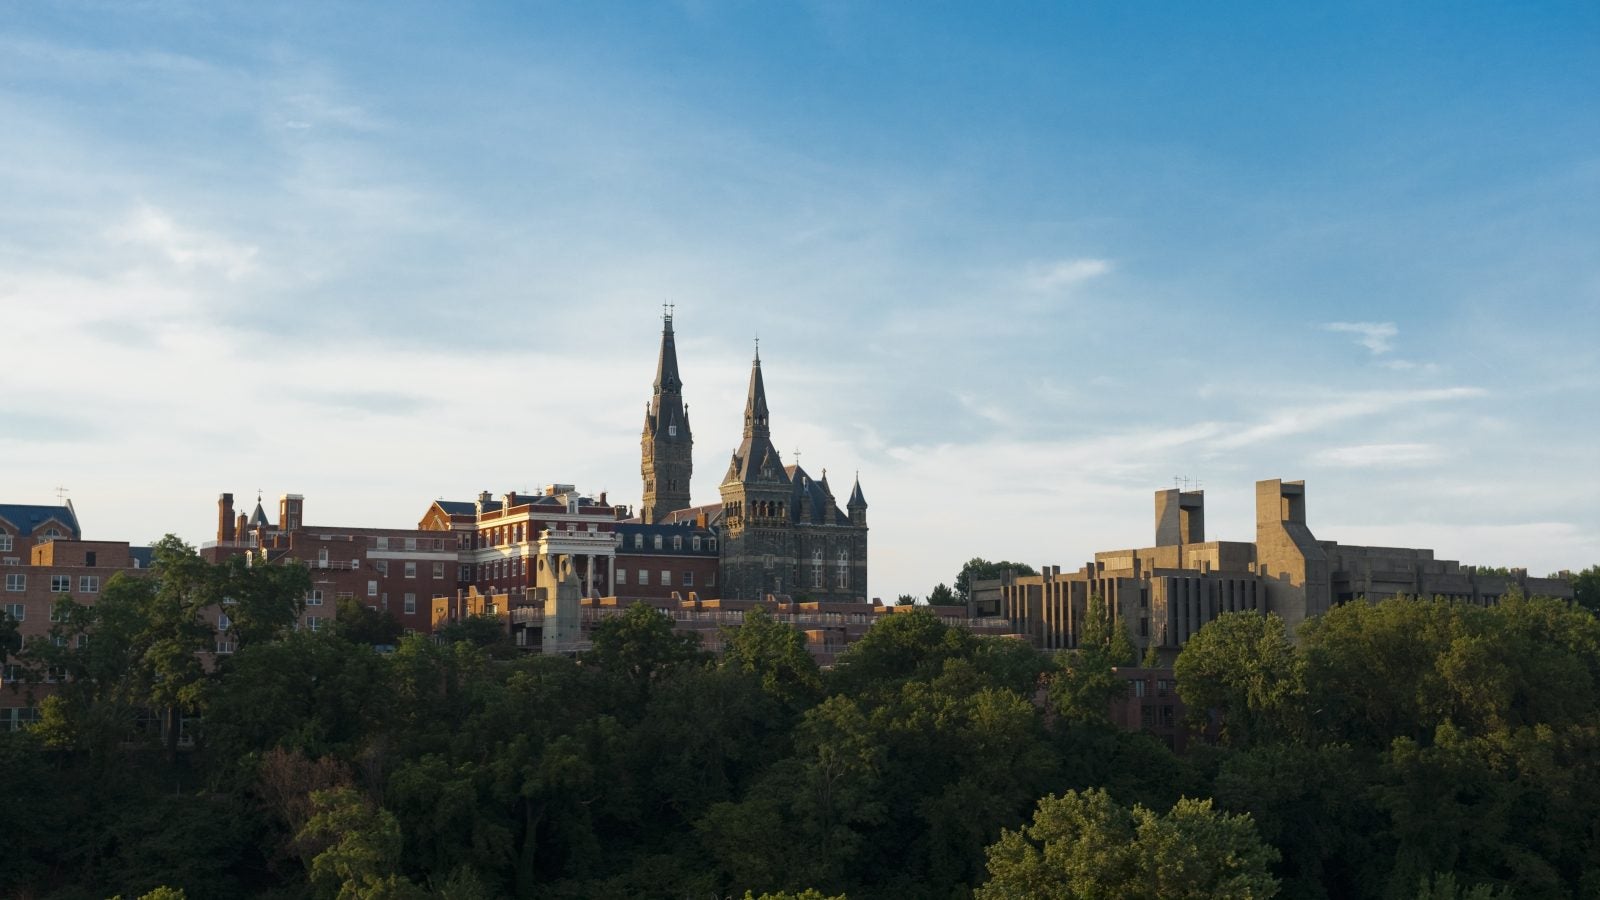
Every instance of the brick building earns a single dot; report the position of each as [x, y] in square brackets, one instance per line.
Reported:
[397, 570]
[44, 558]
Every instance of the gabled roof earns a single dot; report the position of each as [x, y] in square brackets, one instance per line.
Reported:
[27, 519]
[817, 496]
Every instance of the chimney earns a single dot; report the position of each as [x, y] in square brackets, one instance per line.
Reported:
[291, 512]
[225, 530]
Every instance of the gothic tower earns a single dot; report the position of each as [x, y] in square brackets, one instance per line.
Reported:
[756, 495]
[666, 446]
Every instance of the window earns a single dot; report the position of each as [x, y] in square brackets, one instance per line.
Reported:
[712, 543]
[18, 717]
[1138, 688]
[696, 543]
[88, 559]
[16, 583]
[658, 542]
[88, 584]
[466, 573]
[16, 612]
[844, 569]
[5, 540]
[666, 578]
[644, 576]
[314, 623]
[438, 570]
[60, 584]
[58, 612]
[677, 542]
[622, 576]
[411, 604]
[60, 640]
[383, 543]
[411, 570]
[688, 579]
[224, 648]
[372, 589]
[638, 542]
[13, 674]
[52, 534]
[11, 561]
[223, 622]
[1162, 687]
[672, 431]
[314, 598]
[382, 566]
[411, 543]
[83, 641]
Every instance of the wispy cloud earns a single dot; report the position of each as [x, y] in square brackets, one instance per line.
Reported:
[1377, 337]
[1308, 417]
[152, 228]
[1062, 274]
[1378, 455]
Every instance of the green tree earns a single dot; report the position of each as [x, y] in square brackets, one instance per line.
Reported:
[1243, 666]
[775, 653]
[360, 624]
[357, 848]
[1084, 684]
[899, 646]
[906, 600]
[978, 568]
[941, 595]
[1087, 846]
[640, 646]
[1586, 589]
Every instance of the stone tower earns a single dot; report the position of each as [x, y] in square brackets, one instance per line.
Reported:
[755, 498]
[666, 447]
[783, 531]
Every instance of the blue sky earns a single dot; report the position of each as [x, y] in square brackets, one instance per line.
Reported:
[1020, 265]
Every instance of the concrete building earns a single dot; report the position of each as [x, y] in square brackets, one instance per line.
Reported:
[1165, 593]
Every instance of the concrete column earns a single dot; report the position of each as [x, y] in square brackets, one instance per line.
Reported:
[611, 574]
[588, 576]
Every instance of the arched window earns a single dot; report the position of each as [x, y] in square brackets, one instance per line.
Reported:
[844, 570]
[677, 542]
[816, 568]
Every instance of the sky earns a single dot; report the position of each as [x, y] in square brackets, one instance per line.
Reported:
[1019, 265]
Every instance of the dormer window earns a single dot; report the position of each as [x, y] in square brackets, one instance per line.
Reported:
[672, 431]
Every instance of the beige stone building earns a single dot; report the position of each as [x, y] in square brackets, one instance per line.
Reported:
[1165, 593]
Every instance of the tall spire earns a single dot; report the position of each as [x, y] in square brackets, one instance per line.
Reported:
[755, 404]
[667, 380]
[667, 461]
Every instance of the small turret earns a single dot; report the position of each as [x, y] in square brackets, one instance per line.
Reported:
[857, 504]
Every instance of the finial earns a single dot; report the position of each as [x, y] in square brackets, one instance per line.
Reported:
[758, 347]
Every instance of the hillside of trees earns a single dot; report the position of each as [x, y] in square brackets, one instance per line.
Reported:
[1409, 749]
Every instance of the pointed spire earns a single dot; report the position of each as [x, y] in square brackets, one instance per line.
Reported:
[856, 501]
[667, 380]
[755, 404]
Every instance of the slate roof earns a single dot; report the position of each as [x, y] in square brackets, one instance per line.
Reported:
[28, 518]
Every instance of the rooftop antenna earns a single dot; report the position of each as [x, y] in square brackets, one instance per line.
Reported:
[61, 494]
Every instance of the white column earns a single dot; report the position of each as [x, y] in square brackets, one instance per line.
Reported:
[589, 576]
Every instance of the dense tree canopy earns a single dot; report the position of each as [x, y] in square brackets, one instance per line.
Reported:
[1402, 749]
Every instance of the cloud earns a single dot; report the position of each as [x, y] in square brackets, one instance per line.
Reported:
[1377, 337]
[152, 228]
[1063, 274]
[1305, 418]
[1378, 455]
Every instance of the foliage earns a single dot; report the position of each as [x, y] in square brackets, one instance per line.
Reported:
[1086, 845]
[942, 595]
[1400, 749]
[1586, 589]
[978, 569]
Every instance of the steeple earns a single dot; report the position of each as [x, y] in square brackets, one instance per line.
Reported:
[666, 447]
[755, 404]
[667, 363]
[857, 504]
